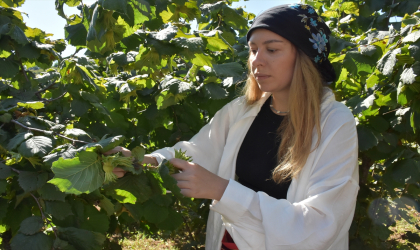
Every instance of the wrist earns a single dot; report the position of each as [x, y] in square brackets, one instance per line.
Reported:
[220, 190]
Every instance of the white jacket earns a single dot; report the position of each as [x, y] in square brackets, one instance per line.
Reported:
[320, 203]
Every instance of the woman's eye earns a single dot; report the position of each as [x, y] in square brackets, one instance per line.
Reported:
[271, 50]
[253, 51]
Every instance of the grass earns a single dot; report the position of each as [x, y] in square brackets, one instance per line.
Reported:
[142, 242]
[403, 226]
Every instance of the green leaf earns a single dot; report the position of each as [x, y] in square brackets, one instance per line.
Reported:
[18, 139]
[409, 75]
[50, 192]
[9, 68]
[138, 153]
[58, 209]
[37, 145]
[31, 181]
[194, 44]
[214, 41]
[3, 208]
[31, 225]
[107, 144]
[94, 220]
[367, 138]
[116, 5]
[130, 189]
[355, 62]
[338, 44]
[66, 151]
[387, 62]
[3, 186]
[82, 239]
[214, 91]
[5, 118]
[18, 35]
[350, 8]
[82, 174]
[234, 20]
[5, 171]
[153, 212]
[12, 3]
[32, 105]
[107, 205]
[379, 123]
[168, 181]
[412, 37]
[62, 245]
[38, 241]
[121, 58]
[365, 104]
[75, 132]
[201, 60]
[406, 171]
[28, 51]
[173, 221]
[76, 34]
[415, 121]
[233, 69]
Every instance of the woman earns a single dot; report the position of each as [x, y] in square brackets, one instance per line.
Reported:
[292, 147]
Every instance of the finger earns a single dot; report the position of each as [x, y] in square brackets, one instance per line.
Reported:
[186, 192]
[180, 176]
[183, 184]
[125, 152]
[119, 172]
[181, 164]
[114, 150]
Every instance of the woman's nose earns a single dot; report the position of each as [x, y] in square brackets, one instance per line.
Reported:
[257, 59]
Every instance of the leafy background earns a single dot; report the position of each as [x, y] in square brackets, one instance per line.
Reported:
[147, 80]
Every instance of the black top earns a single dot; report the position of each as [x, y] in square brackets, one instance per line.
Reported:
[257, 156]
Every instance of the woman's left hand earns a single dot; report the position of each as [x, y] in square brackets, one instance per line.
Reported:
[197, 182]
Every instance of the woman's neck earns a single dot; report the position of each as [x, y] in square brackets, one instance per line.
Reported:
[281, 101]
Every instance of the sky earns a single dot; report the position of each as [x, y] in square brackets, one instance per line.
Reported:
[42, 15]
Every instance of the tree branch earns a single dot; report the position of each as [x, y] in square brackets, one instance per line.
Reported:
[48, 87]
[23, 70]
[44, 217]
[14, 169]
[390, 11]
[47, 132]
[54, 99]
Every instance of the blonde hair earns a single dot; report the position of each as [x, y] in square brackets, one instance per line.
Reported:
[304, 115]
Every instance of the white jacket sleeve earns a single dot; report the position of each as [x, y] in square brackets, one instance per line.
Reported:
[258, 221]
[206, 147]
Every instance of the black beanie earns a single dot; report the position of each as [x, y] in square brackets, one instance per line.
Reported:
[301, 25]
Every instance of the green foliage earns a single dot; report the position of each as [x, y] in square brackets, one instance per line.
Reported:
[146, 81]
[376, 61]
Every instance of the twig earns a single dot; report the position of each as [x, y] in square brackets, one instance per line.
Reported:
[390, 11]
[44, 217]
[74, 54]
[390, 111]
[47, 132]
[23, 70]
[14, 169]
[54, 99]
[48, 87]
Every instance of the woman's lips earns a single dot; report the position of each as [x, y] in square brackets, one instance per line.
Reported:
[261, 77]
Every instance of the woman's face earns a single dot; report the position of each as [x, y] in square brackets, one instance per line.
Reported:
[272, 59]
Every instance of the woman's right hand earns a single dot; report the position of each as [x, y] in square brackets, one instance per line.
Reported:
[119, 172]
